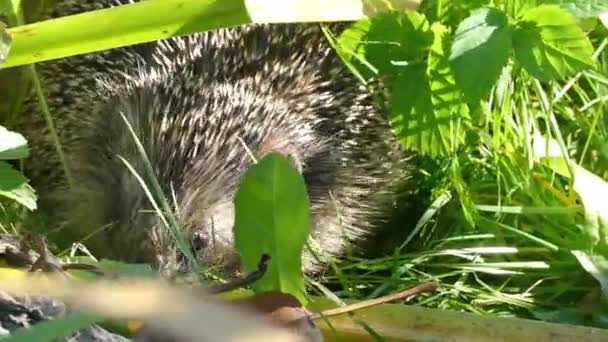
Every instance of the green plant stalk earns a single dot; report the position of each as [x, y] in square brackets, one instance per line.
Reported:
[46, 113]
[17, 13]
[166, 215]
[44, 108]
[159, 19]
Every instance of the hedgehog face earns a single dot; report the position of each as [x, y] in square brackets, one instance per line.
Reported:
[205, 224]
[211, 236]
[204, 210]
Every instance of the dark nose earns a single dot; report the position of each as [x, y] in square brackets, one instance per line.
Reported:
[199, 241]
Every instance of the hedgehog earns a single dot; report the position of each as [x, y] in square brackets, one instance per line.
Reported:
[200, 104]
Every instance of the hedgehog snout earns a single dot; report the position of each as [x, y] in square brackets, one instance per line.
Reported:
[208, 229]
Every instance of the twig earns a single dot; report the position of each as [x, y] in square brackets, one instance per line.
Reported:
[428, 287]
[47, 262]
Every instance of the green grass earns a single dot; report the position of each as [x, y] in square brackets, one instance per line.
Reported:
[504, 244]
[514, 257]
[499, 229]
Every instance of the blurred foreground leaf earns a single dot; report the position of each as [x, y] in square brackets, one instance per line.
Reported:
[151, 20]
[50, 330]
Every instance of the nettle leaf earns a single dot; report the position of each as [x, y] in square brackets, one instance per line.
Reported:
[450, 13]
[480, 50]
[427, 111]
[401, 47]
[350, 46]
[14, 185]
[386, 43]
[12, 145]
[550, 45]
[272, 217]
[581, 8]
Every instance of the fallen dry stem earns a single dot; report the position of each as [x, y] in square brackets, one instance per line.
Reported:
[186, 315]
[406, 294]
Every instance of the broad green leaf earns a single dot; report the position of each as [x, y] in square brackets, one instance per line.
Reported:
[451, 114]
[480, 50]
[386, 43]
[14, 185]
[411, 111]
[12, 145]
[427, 111]
[581, 8]
[550, 45]
[426, 106]
[57, 328]
[272, 217]
[350, 46]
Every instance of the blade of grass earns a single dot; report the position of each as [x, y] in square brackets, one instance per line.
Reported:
[166, 214]
[158, 19]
